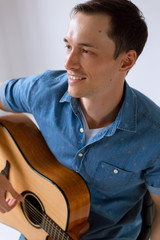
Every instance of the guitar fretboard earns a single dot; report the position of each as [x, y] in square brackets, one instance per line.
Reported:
[53, 230]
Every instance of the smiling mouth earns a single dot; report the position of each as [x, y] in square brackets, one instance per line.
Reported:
[76, 78]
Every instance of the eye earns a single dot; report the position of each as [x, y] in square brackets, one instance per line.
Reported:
[86, 51]
[68, 47]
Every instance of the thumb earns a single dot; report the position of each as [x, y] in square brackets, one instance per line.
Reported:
[14, 193]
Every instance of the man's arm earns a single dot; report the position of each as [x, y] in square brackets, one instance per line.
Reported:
[5, 186]
[155, 233]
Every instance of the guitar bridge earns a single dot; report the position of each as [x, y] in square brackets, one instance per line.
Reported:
[5, 171]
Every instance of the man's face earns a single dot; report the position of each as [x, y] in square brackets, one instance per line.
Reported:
[90, 64]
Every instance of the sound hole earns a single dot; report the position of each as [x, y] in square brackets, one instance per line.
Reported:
[33, 209]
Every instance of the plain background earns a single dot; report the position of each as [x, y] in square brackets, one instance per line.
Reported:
[31, 41]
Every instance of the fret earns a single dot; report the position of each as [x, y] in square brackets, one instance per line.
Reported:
[53, 230]
[58, 235]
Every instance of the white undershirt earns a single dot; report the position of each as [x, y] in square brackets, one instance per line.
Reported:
[89, 133]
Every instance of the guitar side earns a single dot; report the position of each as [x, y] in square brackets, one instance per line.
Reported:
[34, 169]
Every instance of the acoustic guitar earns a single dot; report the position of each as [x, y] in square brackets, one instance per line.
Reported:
[56, 199]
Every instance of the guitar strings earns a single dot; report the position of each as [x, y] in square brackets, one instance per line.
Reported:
[39, 219]
[52, 225]
[34, 212]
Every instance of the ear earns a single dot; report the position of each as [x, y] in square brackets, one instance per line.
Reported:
[128, 60]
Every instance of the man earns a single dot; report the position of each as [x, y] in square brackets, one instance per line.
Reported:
[109, 132]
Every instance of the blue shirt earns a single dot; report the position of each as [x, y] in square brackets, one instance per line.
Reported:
[119, 164]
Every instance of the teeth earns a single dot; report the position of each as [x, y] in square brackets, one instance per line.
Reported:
[75, 78]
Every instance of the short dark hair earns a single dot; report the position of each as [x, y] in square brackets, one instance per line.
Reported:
[128, 28]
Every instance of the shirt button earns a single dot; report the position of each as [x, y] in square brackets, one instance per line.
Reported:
[81, 130]
[115, 171]
[80, 154]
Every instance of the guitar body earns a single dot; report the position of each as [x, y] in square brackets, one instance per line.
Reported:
[56, 199]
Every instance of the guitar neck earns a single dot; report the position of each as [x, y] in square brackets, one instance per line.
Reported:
[53, 230]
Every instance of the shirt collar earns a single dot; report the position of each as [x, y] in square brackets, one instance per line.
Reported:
[65, 98]
[128, 110]
[127, 117]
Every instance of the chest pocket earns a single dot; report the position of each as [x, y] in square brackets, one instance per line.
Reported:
[111, 180]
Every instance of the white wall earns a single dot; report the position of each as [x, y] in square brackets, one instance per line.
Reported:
[31, 41]
[145, 74]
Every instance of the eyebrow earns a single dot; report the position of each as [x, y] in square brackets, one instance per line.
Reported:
[85, 44]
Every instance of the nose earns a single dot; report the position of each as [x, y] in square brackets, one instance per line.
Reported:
[72, 60]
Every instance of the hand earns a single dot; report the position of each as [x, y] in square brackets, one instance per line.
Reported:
[7, 204]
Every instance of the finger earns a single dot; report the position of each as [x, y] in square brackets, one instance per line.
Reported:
[14, 193]
[12, 202]
[4, 207]
[9, 204]
[7, 200]
[2, 210]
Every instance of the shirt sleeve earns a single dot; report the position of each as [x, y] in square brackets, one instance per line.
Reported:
[152, 177]
[15, 94]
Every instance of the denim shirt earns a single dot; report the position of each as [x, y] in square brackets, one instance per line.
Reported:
[119, 164]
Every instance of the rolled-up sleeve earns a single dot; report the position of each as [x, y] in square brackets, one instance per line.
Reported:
[15, 94]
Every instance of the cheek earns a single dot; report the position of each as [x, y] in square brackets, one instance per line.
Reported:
[102, 70]
[65, 61]
[98, 66]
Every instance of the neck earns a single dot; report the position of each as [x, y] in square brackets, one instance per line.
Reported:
[102, 112]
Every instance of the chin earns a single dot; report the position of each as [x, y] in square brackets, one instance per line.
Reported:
[74, 94]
